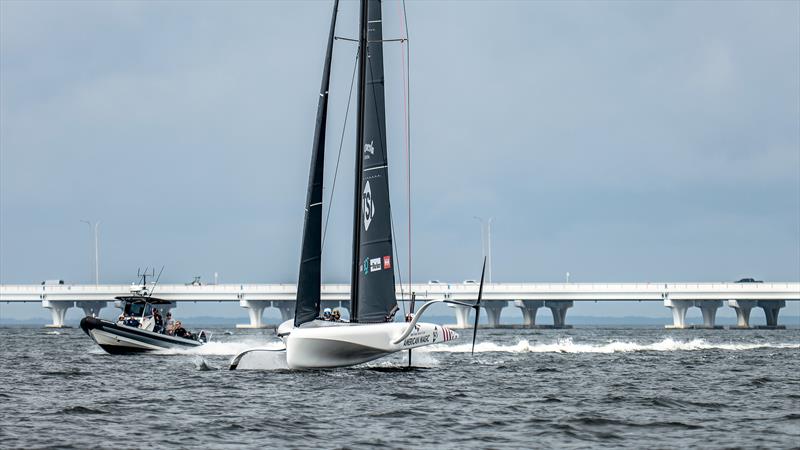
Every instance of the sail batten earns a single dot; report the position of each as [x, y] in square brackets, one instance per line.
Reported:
[309, 279]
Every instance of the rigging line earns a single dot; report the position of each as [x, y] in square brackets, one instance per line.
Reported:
[397, 263]
[406, 60]
[339, 157]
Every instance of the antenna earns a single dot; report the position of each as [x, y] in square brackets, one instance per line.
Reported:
[158, 278]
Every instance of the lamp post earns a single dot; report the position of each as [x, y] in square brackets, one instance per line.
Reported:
[96, 262]
[487, 241]
[489, 244]
[483, 242]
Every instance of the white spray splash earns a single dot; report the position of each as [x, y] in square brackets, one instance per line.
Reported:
[567, 346]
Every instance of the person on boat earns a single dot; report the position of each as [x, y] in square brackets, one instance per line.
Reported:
[158, 321]
[169, 328]
[326, 314]
[121, 318]
[131, 322]
[180, 331]
[337, 316]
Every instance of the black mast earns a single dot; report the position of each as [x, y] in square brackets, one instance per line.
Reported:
[309, 279]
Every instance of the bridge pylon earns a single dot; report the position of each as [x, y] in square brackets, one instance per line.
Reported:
[58, 310]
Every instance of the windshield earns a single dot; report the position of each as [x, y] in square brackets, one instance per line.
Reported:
[134, 309]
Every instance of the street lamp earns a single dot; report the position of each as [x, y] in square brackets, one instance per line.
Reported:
[487, 242]
[96, 262]
[483, 242]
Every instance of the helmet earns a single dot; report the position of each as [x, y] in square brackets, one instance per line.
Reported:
[326, 311]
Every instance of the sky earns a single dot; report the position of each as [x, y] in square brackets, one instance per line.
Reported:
[617, 141]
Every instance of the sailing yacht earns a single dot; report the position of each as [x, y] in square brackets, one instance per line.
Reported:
[371, 333]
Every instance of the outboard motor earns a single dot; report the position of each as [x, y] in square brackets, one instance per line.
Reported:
[203, 337]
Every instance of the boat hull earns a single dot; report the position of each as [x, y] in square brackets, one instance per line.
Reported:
[122, 339]
[351, 344]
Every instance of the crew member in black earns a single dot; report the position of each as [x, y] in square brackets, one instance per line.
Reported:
[158, 321]
[180, 331]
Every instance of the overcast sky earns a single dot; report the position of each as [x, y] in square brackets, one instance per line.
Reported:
[621, 141]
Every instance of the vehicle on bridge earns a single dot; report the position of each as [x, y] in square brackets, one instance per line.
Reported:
[139, 329]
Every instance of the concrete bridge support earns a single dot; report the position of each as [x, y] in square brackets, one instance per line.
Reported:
[679, 308]
[58, 311]
[255, 308]
[771, 309]
[493, 310]
[709, 310]
[462, 316]
[91, 308]
[286, 307]
[559, 310]
[529, 309]
[742, 308]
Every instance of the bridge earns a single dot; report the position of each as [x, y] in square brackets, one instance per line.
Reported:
[528, 297]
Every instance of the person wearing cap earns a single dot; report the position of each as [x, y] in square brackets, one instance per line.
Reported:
[131, 322]
[158, 321]
[337, 316]
[326, 314]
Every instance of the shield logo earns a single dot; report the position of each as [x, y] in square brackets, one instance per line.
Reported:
[368, 150]
[368, 206]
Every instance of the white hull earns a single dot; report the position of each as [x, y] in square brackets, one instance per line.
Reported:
[320, 345]
[351, 344]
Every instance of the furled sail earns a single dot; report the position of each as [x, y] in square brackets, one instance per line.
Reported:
[373, 284]
[308, 282]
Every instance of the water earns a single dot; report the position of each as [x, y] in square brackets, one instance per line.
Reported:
[582, 388]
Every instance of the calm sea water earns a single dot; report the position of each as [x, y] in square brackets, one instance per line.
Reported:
[581, 388]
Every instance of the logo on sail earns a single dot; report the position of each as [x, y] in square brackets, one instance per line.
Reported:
[369, 149]
[374, 264]
[368, 206]
[387, 262]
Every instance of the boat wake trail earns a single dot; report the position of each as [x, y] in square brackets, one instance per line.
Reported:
[221, 348]
[567, 346]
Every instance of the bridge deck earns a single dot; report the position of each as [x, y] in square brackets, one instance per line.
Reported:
[457, 291]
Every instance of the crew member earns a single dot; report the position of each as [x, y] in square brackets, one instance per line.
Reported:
[158, 321]
[169, 328]
[326, 314]
[180, 331]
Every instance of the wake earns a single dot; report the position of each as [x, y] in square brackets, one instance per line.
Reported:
[567, 346]
[221, 348]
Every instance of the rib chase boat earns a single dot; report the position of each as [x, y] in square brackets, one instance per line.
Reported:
[139, 335]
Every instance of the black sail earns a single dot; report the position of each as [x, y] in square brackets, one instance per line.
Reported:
[308, 282]
[373, 285]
